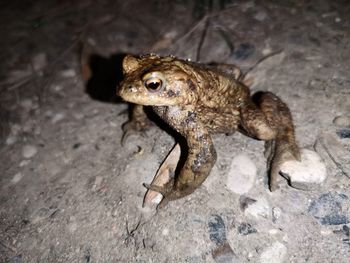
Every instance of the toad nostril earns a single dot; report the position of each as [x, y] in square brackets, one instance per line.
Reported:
[130, 87]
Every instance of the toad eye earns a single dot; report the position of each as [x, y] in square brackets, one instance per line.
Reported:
[153, 84]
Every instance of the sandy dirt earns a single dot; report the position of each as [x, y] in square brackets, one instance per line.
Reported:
[69, 192]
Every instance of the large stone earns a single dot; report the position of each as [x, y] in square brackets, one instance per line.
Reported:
[308, 173]
[331, 209]
[335, 151]
[242, 174]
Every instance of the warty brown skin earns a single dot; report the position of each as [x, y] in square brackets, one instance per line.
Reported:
[198, 100]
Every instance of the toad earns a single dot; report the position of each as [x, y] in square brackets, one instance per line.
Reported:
[197, 100]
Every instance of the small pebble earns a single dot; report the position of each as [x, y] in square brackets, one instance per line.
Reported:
[342, 121]
[343, 133]
[97, 183]
[242, 174]
[326, 232]
[274, 254]
[28, 151]
[245, 229]
[11, 140]
[258, 209]
[17, 178]
[217, 229]
[266, 51]
[57, 88]
[331, 209]
[274, 231]
[165, 232]
[68, 73]
[58, 117]
[76, 145]
[308, 173]
[24, 163]
[276, 214]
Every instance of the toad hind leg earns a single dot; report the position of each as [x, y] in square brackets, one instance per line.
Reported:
[268, 118]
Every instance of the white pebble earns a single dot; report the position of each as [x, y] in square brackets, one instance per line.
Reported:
[24, 163]
[274, 254]
[276, 213]
[165, 232]
[68, 73]
[326, 232]
[17, 178]
[57, 88]
[11, 140]
[242, 175]
[258, 209]
[342, 121]
[58, 117]
[98, 182]
[28, 151]
[274, 231]
[308, 173]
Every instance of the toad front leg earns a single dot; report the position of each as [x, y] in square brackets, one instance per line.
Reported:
[268, 118]
[200, 159]
[139, 122]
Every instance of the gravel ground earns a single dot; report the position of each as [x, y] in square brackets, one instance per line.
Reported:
[69, 192]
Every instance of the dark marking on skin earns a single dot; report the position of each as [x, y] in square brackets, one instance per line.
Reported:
[171, 93]
[196, 165]
[202, 158]
[191, 116]
[190, 120]
[190, 85]
[200, 137]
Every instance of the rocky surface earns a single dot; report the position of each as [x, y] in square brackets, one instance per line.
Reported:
[69, 192]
